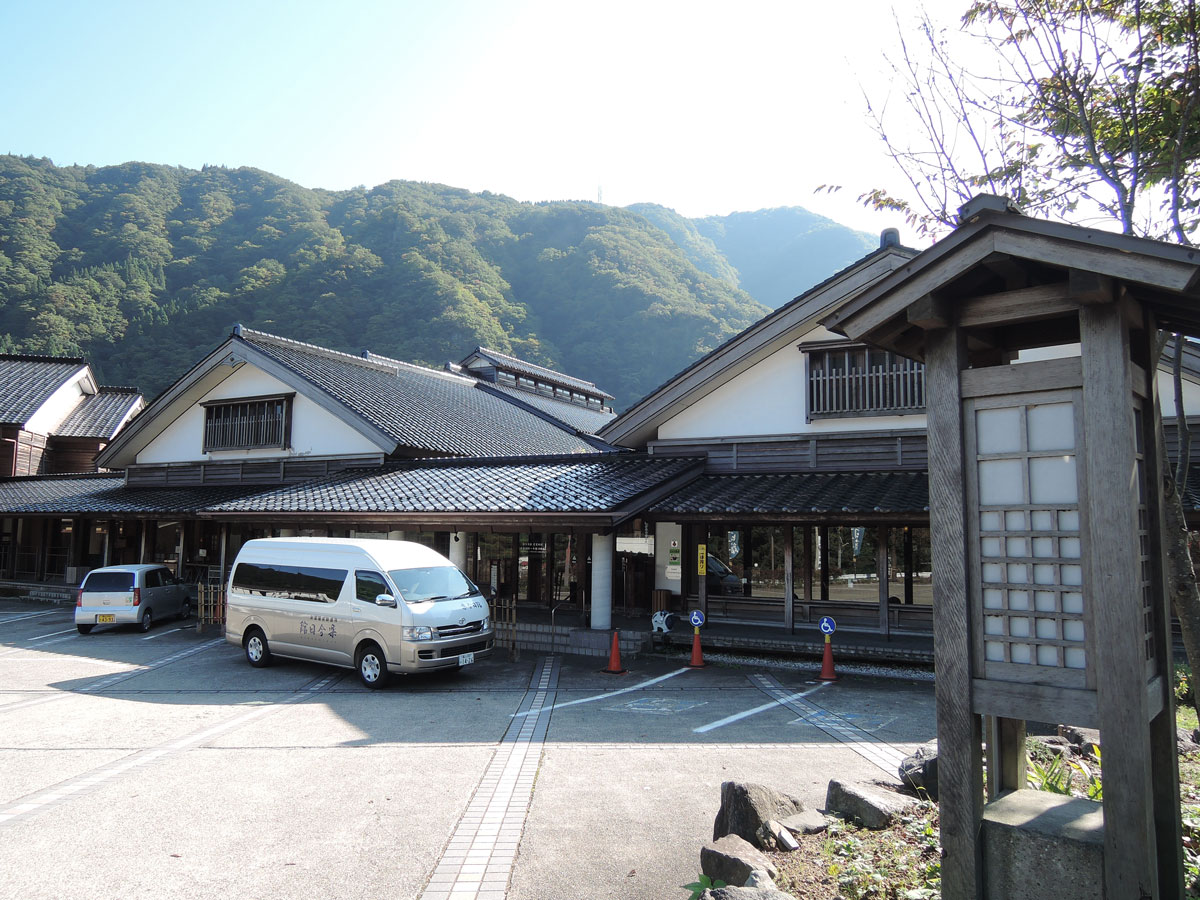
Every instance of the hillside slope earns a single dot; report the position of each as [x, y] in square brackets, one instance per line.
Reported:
[142, 267]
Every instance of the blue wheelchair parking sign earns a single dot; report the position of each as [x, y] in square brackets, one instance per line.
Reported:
[696, 618]
[827, 626]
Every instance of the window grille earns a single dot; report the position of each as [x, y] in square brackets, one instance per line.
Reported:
[858, 381]
[252, 423]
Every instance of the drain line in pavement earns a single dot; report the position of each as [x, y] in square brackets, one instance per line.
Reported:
[479, 857]
[861, 742]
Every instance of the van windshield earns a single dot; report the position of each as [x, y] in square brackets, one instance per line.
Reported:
[432, 583]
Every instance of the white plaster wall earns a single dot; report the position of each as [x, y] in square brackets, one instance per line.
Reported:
[1165, 381]
[315, 432]
[55, 410]
[769, 398]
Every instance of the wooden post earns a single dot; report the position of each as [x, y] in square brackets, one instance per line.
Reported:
[1164, 757]
[908, 565]
[881, 573]
[823, 531]
[224, 542]
[808, 569]
[1119, 647]
[960, 781]
[789, 581]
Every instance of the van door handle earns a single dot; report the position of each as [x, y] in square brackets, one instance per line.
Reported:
[356, 609]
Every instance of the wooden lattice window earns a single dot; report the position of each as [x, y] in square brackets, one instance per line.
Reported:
[248, 423]
[1028, 565]
[853, 380]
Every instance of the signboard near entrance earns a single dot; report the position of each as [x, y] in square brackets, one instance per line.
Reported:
[701, 559]
[674, 562]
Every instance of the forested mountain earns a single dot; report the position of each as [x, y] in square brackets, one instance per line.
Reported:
[142, 267]
[771, 254]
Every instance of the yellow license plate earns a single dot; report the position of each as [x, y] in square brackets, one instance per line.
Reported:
[105, 620]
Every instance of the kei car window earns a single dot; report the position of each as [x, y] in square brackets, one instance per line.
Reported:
[431, 583]
[369, 585]
[109, 581]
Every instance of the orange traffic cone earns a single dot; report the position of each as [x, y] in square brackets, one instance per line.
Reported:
[697, 658]
[614, 658]
[827, 673]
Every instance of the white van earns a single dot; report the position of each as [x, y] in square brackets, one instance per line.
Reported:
[379, 606]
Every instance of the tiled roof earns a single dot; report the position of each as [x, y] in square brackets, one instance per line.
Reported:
[532, 370]
[26, 382]
[107, 494]
[600, 483]
[582, 418]
[420, 408]
[870, 492]
[99, 415]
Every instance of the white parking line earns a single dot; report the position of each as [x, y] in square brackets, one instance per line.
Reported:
[636, 687]
[737, 717]
[27, 616]
[31, 803]
[865, 744]
[151, 637]
[42, 637]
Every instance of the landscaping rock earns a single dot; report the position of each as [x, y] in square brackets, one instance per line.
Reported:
[1059, 746]
[745, 893]
[731, 859]
[782, 837]
[919, 771]
[1185, 742]
[808, 822]
[746, 808]
[1084, 740]
[873, 807]
[759, 878]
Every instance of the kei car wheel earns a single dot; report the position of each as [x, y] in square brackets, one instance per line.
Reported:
[185, 611]
[372, 667]
[85, 629]
[147, 621]
[258, 654]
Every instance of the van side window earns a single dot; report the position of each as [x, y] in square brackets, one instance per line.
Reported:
[369, 585]
[295, 582]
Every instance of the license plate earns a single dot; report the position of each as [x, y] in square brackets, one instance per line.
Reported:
[466, 658]
[105, 620]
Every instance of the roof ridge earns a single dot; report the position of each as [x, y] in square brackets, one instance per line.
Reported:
[371, 360]
[117, 389]
[41, 357]
[416, 367]
[565, 377]
[252, 334]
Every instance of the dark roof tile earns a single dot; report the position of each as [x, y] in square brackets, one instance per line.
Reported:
[26, 382]
[422, 408]
[800, 494]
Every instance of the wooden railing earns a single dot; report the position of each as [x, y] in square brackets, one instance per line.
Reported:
[210, 605]
[896, 387]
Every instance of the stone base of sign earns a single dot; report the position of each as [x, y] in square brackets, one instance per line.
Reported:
[1038, 844]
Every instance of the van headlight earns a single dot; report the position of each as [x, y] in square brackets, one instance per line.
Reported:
[417, 633]
[487, 623]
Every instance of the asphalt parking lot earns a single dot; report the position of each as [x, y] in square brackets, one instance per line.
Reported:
[162, 765]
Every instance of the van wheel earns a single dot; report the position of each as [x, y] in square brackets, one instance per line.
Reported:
[147, 621]
[85, 629]
[258, 654]
[372, 667]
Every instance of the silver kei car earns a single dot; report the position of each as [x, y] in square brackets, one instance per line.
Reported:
[130, 595]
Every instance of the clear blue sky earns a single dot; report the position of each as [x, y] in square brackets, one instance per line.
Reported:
[704, 107]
